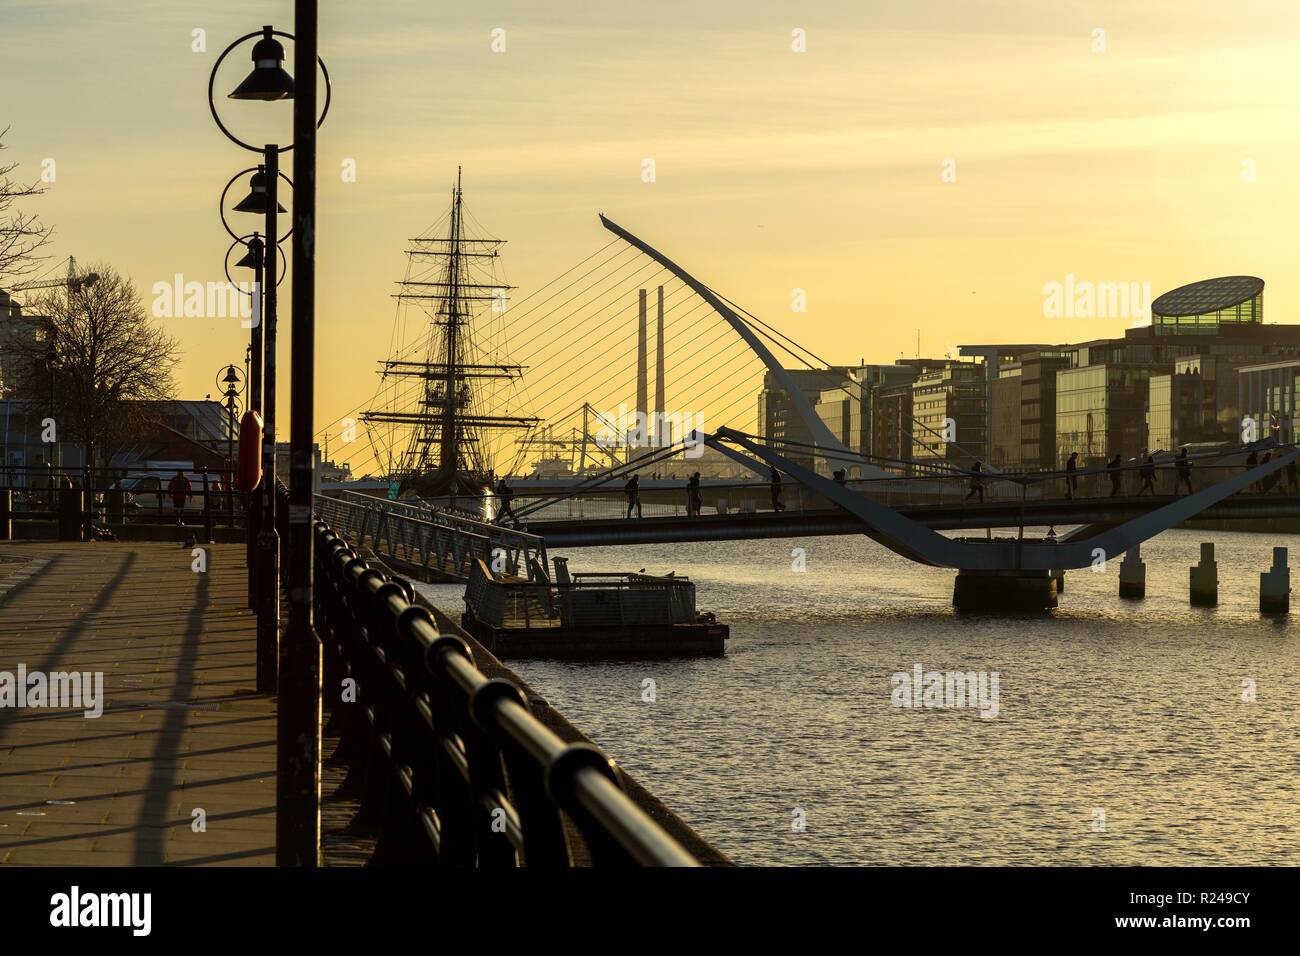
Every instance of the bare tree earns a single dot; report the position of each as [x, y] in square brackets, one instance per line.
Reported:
[21, 234]
[113, 364]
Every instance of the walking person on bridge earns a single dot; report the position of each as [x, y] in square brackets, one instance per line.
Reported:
[633, 491]
[1182, 472]
[1071, 479]
[505, 494]
[1116, 476]
[776, 489]
[695, 501]
[1148, 473]
[179, 489]
[976, 481]
[1266, 483]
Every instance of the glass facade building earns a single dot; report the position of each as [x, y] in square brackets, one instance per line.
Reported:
[1101, 410]
[1268, 397]
[949, 414]
[1201, 308]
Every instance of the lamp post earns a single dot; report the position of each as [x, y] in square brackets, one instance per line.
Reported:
[254, 258]
[233, 387]
[52, 366]
[298, 714]
[301, 720]
[268, 81]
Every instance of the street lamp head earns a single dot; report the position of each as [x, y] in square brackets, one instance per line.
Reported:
[269, 80]
[231, 378]
[255, 201]
[253, 257]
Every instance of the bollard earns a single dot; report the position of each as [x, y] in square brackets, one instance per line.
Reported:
[69, 514]
[1059, 575]
[1133, 574]
[1205, 578]
[1275, 586]
[6, 514]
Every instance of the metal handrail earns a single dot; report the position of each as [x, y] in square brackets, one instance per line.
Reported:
[456, 769]
[428, 540]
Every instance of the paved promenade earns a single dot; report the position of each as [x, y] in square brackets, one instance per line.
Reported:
[183, 736]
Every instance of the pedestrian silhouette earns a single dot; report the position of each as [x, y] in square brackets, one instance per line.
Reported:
[1148, 473]
[1116, 476]
[1071, 479]
[695, 501]
[776, 489]
[179, 489]
[505, 494]
[1182, 472]
[976, 482]
[633, 491]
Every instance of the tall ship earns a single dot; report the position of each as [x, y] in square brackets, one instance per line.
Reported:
[447, 373]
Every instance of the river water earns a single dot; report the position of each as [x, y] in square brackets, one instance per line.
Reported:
[1124, 732]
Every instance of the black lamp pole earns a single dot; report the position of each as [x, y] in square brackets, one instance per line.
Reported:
[298, 771]
[298, 720]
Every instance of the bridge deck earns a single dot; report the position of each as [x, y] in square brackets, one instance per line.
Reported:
[585, 532]
[182, 727]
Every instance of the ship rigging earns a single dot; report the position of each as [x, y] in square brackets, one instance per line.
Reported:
[449, 430]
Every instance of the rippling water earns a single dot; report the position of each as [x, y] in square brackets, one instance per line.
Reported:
[1131, 709]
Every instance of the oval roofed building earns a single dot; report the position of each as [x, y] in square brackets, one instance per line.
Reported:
[1202, 307]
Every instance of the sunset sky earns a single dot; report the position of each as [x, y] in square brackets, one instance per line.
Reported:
[775, 170]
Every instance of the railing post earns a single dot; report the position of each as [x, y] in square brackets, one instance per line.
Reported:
[268, 594]
[207, 508]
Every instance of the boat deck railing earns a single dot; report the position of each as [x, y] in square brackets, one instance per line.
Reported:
[585, 600]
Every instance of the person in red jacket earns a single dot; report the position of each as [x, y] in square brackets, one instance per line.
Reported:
[179, 489]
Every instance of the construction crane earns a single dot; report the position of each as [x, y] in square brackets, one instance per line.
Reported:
[73, 282]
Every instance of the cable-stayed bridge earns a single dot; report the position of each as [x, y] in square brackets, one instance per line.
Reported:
[902, 504]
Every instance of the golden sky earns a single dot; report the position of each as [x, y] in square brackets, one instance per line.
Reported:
[775, 170]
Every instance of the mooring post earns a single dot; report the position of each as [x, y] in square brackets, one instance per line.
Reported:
[1133, 574]
[1205, 578]
[1275, 585]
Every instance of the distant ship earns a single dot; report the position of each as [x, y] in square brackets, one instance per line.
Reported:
[440, 428]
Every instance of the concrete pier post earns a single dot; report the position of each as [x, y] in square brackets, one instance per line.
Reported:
[1204, 578]
[1133, 574]
[1275, 585]
[1059, 577]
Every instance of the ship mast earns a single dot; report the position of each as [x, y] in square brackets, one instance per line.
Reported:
[447, 451]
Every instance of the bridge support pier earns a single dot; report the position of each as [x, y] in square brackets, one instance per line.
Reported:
[1133, 574]
[1275, 586]
[1059, 577]
[1205, 578]
[1004, 590]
